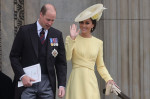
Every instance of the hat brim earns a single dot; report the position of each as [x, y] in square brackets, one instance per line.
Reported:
[89, 12]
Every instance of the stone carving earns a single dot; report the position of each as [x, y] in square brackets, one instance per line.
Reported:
[18, 14]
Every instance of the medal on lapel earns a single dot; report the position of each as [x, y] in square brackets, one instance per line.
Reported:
[54, 53]
[53, 41]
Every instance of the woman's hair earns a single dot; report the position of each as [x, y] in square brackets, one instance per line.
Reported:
[93, 22]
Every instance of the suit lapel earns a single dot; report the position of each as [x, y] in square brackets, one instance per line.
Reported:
[34, 38]
[49, 47]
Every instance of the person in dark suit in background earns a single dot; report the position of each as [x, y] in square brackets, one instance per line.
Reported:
[34, 44]
[6, 88]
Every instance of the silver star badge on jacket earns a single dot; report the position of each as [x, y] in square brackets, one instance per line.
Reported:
[54, 53]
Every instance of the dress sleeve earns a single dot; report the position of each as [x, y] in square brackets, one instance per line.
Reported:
[101, 66]
[69, 45]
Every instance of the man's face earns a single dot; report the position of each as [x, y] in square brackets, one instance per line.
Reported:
[47, 20]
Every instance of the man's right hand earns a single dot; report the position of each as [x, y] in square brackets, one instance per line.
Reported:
[26, 80]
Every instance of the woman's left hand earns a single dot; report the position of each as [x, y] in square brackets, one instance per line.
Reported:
[111, 86]
[112, 83]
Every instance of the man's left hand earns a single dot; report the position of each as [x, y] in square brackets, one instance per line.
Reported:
[61, 92]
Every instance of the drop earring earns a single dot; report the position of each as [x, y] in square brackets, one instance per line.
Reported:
[92, 29]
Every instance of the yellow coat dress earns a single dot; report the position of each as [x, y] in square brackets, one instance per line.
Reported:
[85, 53]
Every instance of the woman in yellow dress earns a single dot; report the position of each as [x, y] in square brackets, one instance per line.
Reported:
[85, 50]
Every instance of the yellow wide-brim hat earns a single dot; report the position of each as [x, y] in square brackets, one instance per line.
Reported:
[94, 12]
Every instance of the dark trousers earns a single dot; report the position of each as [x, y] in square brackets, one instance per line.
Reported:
[40, 90]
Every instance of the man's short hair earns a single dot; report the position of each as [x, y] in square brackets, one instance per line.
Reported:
[43, 9]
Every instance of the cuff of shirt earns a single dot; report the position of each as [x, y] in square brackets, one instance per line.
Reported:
[21, 77]
[61, 86]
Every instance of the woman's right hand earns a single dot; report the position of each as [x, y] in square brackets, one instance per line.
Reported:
[73, 31]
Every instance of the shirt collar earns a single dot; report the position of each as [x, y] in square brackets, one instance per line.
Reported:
[39, 27]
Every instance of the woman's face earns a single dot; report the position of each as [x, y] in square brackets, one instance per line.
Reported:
[86, 26]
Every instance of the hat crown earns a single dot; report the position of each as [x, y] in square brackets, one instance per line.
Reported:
[85, 14]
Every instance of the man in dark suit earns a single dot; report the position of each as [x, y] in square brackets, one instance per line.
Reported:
[6, 87]
[39, 43]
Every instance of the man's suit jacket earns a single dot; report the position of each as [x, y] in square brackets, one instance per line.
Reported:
[6, 87]
[24, 53]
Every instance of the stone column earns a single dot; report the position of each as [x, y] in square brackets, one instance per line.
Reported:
[126, 45]
[7, 34]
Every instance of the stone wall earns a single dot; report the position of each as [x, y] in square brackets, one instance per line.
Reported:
[126, 45]
[7, 34]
